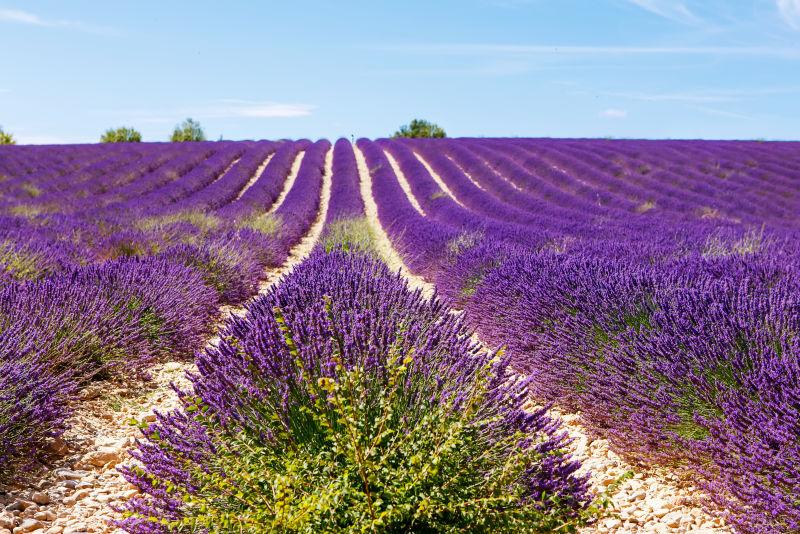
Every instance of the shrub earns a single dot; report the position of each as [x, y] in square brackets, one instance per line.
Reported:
[123, 134]
[420, 128]
[32, 401]
[204, 222]
[125, 244]
[20, 262]
[690, 364]
[350, 234]
[60, 332]
[188, 130]
[225, 265]
[268, 224]
[6, 138]
[345, 402]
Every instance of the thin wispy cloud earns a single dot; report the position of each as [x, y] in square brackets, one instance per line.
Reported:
[668, 9]
[676, 97]
[488, 49]
[262, 110]
[224, 109]
[35, 139]
[721, 113]
[18, 16]
[24, 17]
[509, 3]
[487, 69]
[790, 12]
[705, 97]
[613, 113]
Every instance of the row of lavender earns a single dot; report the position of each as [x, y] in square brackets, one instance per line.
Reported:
[650, 285]
[111, 258]
[342, 400]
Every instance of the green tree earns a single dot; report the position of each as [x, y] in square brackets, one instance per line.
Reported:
[188, 130]
[420, 128]
[123, 134]
[6, 138]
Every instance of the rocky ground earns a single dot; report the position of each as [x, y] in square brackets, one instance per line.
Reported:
[652, 501]
[74, 494]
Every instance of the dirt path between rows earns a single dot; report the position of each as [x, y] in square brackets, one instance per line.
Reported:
[438, 179]
[383, 243]
[468, 175]
[401, 178]
[75, 494]
[253, 179]
[287, 185]
[301, 251]
[655, 501]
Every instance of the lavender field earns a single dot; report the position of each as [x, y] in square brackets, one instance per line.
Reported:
[484, 290]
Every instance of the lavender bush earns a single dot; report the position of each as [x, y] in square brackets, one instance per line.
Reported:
[59, 333]
[344, 401]
[690, 364]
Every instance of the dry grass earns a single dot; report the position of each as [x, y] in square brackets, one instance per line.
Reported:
[201, 220]
[644, 207]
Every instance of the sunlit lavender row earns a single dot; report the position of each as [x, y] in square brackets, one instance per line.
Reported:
[652, 286]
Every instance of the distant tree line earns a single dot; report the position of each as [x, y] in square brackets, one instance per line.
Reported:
[188, 130]
[6, 138]
[123, 134]
[420, 128]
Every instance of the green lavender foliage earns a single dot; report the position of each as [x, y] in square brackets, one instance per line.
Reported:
[353, 234]
[351, 461]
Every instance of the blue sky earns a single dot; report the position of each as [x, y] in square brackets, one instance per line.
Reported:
[560, 68]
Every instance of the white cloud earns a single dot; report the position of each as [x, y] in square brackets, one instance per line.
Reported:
[33, 139]
[522, 50]
[613, 113]
[23, 17]
[721, 113]
[262, 110]
[676, 97]
[668, 9]
[220, 109]
[31, 19]
[705, 97]
[790, 11]
[151, 119]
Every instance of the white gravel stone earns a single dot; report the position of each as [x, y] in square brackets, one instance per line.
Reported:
[6, 520]
[69, 474]
[28, 525]
[45, 515]
[40, 497]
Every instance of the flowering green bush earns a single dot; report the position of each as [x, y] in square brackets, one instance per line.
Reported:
[123, 134]
[343, 402]
[6, 138]
[188, 130]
